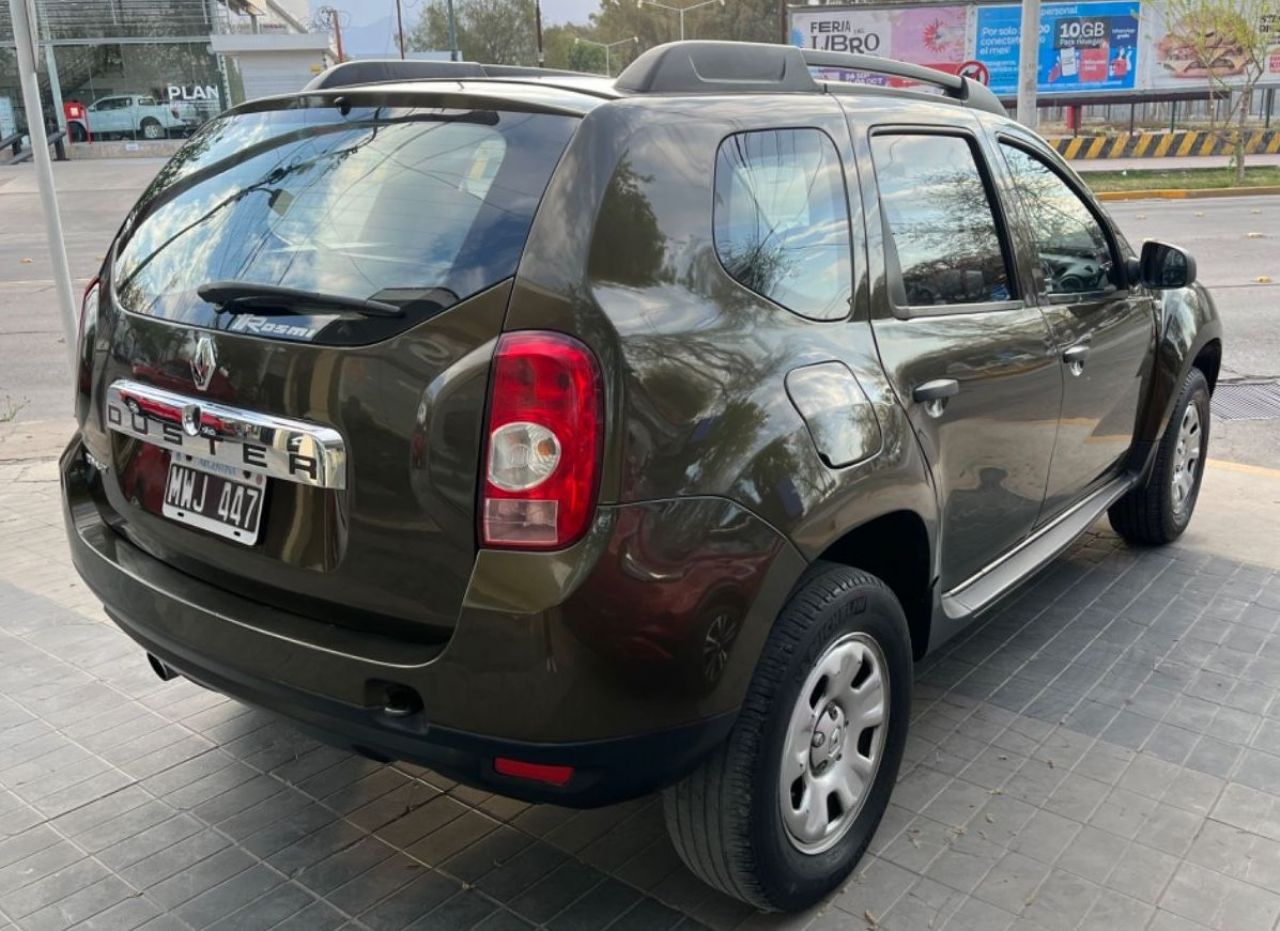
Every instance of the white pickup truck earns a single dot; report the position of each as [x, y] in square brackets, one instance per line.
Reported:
[131, 115]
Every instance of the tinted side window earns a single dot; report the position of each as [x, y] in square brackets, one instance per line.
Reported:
[782, 220]
[941, 224]
[1073, 249]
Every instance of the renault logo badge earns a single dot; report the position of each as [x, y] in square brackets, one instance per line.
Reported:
[204, 362]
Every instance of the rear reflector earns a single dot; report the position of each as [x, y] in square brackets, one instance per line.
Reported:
[534, 772]
[544, 441]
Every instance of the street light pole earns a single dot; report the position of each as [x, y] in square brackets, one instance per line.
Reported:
[400, 27]
[537, 12]
[1028, 63]
[453, 32]
[24, 38]
[607, 46]
[678, 9]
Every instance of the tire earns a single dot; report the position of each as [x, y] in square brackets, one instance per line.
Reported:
[1159, 510]
[77, 132]
[151, 129]
[726, 819]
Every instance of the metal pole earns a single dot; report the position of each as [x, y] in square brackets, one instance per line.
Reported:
[537, 14]
[337, 35]
[24, 40]
[682, 25]
[784, 29]
[607, 69]
[51, 65]
[453, 33]
[1028, 63]
[400, 27]
[1270, 102]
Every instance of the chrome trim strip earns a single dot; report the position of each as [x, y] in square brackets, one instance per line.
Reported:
[1009, 570]
[228, 439]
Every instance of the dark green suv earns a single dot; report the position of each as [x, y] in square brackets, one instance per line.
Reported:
[579, 438]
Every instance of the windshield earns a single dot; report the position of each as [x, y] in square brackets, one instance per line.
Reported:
[419, 207]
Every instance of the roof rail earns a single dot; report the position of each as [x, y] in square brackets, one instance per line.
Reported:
[378, 70]
[965, 90]
[708, 67]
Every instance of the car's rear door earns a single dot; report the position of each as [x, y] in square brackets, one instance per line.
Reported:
[1105, 330]
[969, 356]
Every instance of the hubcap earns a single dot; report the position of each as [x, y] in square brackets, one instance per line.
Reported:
[835, 740]
[1186, 459]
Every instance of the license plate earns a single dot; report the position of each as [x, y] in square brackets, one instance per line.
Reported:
[214, 503]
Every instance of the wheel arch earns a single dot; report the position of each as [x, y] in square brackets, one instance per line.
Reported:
[1190, 336]
[895, 547]
[1209, 361]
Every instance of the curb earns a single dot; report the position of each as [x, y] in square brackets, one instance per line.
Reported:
[1185, 194]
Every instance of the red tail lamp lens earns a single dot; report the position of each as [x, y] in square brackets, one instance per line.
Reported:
[542, 456]
[534, 772]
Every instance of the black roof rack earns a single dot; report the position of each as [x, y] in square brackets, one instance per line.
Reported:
[375, 71]
[704, 67]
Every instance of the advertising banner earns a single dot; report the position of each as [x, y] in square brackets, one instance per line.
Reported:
[933, 36]
[1176, 53]
[1084, 47]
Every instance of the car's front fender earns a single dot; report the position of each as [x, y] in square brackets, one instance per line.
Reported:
[1188, 323]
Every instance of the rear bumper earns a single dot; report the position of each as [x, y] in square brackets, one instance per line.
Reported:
[604, 771]
[593, 680]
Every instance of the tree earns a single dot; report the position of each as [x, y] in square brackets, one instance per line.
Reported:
[1228, 41]
[499, 32]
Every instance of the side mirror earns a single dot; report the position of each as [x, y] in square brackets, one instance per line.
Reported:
[1165, 266]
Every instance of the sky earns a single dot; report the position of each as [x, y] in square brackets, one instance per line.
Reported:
[370, 25]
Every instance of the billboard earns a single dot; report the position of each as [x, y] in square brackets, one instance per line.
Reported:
[1173, 63]
[934, 36]
[1084, 47]
[1090, 47]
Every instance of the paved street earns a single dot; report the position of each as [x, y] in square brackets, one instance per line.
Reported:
[1103, 752]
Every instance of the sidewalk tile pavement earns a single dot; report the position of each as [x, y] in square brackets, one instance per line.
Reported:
[1103, 752]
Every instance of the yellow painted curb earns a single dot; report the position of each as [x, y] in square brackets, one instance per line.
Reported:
[1242, 467]
[1185, 193]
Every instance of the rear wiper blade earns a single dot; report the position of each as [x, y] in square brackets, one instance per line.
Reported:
[232, 297]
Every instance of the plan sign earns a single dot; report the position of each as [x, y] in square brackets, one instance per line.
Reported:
[192, 92]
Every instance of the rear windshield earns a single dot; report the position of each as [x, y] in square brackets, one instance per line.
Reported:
[417, 207]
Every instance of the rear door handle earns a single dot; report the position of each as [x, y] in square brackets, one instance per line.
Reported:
[1075, 356]
[936, 390]
[933, 395]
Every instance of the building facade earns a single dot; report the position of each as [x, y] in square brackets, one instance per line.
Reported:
[149, 69]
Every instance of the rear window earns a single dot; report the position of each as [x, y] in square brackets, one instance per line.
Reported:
[782, 221]
[418, 207]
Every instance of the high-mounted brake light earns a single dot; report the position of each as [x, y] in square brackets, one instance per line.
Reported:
[545, 430]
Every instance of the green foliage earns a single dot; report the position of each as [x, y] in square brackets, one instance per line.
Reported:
[502, 31]
[495, 31]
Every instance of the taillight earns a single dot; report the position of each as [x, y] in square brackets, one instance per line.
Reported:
[545, 433]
